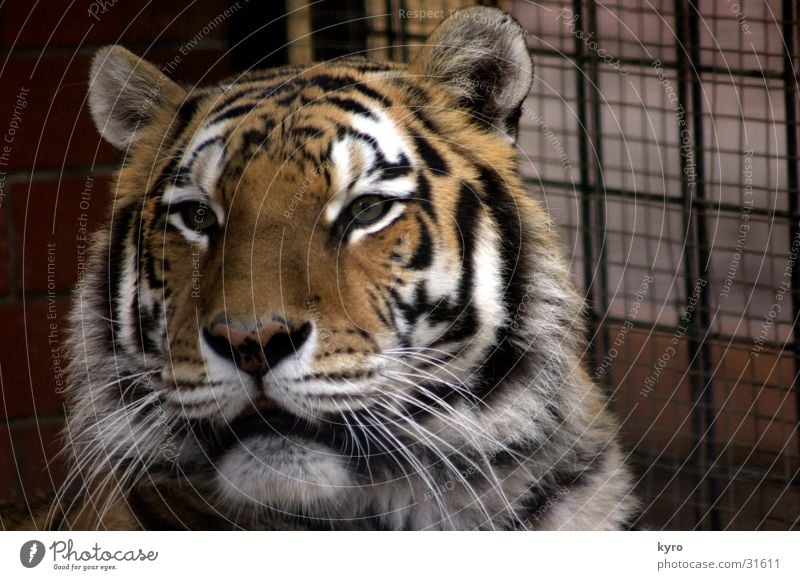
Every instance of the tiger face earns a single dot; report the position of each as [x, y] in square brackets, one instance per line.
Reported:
[309, 299]
[321, 232]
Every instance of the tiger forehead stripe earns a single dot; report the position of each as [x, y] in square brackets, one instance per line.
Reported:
[370, 157]
[199, 168]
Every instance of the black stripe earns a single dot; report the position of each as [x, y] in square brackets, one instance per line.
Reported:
[186, 113]
[364, 65]
[421, 299]
[171, 172]
[330, 83]
[423, 195]
[219, 139]
[232, 113]
[350, 105]
[121, 223]
[423, 254]
[382, 449]
[429, 155]
[571, 472]
[149, 322]
[145, 258]
[256, 138]
[467, 219]
[139, 252]
[516, 452]
[393, 171]
[376, 306]
[146, 275]
[427, 122]
[308, 132]
[368, 139]
[415, 96]
[514, 271]
[374, 95]
[148, 278]
[260, 92]
[409, 312]
[463, 327]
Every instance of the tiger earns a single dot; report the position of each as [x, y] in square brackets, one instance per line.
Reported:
[324, 300]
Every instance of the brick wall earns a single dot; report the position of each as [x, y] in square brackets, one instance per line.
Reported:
[55, 178]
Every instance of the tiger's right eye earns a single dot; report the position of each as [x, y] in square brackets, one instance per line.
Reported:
[368, 209]
[197, 216]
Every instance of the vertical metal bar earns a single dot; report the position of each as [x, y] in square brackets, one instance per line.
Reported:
[689, 267]
[586, 188]
[403, 36]
[791, 94]
[390, 37]
[696, 258]
[702, 340]
[599, 190]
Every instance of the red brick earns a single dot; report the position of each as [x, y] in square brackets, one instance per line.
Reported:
[54, 125]
[48, 218]
[8, 474]
[70, 23]
[4, 257]
[42, 468]
[49, 94]
[29, 384]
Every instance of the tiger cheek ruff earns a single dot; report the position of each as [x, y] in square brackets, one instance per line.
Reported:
[323, 300]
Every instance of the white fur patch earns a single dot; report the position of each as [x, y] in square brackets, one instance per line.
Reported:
[128, 289]
[283, 471]
[488, 288]
[204, 169]
[385, 133]
[350, 152]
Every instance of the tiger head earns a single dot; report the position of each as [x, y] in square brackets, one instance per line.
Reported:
[307, 271]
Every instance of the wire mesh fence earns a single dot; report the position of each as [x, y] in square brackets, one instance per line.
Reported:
[661, 136]
[663, 139]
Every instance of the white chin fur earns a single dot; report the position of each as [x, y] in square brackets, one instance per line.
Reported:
[284, 472]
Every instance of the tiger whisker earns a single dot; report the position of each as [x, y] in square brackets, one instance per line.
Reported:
[414, 462]
[442, 457]
[478, 448]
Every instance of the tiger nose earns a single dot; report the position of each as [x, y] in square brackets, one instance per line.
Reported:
[259, 350]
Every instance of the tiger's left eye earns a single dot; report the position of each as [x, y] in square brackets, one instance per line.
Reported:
[368, 209]
[198, 216]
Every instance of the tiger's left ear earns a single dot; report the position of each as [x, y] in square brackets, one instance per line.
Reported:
[481, 56]
[127, 94]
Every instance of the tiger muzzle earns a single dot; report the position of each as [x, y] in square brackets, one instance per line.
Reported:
[256, 351]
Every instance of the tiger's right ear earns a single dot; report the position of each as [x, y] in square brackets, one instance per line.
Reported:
[481, 56]
[127, 93]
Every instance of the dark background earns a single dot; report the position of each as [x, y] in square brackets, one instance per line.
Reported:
[715, 440]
